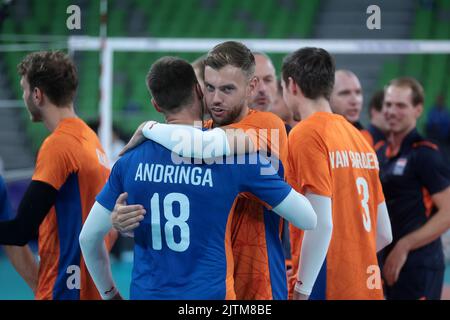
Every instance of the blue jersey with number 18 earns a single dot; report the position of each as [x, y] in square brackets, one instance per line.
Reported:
[182, 247]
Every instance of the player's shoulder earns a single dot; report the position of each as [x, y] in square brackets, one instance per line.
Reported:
[340, 132]
[363, 141]
[425, 146]
[146, 145]
[147, 151]
[69, 134]
[56, 142]
[267, 119]
[315, 125]
[367, 135]
[135, 155]
[421, 145]
[425, 151]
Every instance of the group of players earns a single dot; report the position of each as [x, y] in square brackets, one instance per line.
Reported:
[205, 200]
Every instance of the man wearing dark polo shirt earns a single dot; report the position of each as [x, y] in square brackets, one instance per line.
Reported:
[416, 185]
[346, 98]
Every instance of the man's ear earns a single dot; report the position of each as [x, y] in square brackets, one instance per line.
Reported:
[156, 106]
[252, 85]
[293, 87]
[418, 110]
[199, 91]
[38, 96]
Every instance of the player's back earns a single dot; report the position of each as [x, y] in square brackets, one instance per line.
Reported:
[356, 192]
[72, 160]
[182, 247]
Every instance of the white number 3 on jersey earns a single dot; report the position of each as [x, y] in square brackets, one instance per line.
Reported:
[363, 189]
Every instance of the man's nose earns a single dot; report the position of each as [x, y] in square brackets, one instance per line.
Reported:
[217, 97]
[262, 86]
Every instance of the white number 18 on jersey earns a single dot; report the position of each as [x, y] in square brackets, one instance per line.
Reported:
[171, 223]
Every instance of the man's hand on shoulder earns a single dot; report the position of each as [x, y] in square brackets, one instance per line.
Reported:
[137, 138]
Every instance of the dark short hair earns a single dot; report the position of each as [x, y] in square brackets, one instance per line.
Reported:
[171, 81]
[376, 101]
[418, 95]
[312, 69]
[231, 53]
[53, 72]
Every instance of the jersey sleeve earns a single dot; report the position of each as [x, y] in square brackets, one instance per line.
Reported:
[309, 164]
[5, 204]
[366, 134]
[113, 187]
[56, 161]
[262, 180]
[432, 171]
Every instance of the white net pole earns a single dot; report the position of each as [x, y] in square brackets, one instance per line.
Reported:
[106, 81]
[106, 84]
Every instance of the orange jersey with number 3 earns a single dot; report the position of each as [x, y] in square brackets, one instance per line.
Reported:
[329, 157]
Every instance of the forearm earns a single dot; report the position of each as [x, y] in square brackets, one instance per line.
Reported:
[98, 264]
[429, 232]
[25, 264]
[315, 245]
[14, 233]
[35, 205]
[94, 251]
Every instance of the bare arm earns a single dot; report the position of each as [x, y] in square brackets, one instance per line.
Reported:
[135, 140]
[426, 234]
[25, 264]
[434, 227]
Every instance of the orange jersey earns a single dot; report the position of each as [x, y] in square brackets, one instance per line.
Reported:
[259, 268]
[376, 141]
[71, 160]
[375, 136]
[366, 134]
[329, 157]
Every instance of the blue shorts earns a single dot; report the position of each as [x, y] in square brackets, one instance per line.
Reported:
[417, 283]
